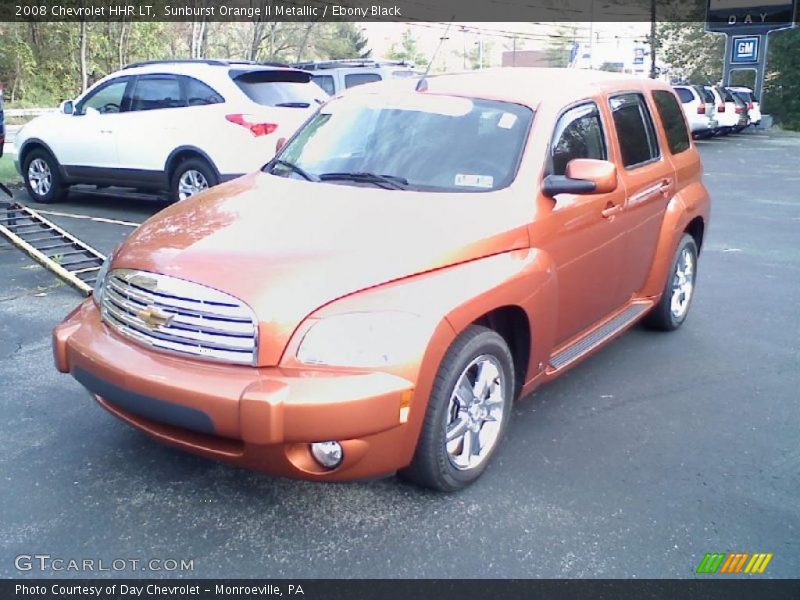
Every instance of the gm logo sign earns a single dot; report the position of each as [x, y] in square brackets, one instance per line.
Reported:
[745, 49]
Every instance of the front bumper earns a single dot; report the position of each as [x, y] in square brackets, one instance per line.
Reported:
[260, 418]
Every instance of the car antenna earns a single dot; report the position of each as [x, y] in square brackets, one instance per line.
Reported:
[441, 41]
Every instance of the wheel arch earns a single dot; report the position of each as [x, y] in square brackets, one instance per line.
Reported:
[512, 323]
[32, 144]
[182, 153]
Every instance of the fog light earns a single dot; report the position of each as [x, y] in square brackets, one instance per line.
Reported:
[328, 454]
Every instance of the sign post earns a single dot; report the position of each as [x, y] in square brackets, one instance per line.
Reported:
[747, 25]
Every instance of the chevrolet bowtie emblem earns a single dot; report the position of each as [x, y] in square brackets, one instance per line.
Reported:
[154, 317]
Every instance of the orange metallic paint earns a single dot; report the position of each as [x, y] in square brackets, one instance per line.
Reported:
[296, 252]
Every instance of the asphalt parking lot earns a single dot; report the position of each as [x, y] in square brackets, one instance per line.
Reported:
[635, 464]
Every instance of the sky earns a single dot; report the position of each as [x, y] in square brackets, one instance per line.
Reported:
[497, 37]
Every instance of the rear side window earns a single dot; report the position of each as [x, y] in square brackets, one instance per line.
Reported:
[705, 95]
[685, 95]
[153, 92]
[289, 89]
[354, 79]
[578, 134]
[199, 94]
[727, 96]
[326, 83]
[634, 125]
[672, 118]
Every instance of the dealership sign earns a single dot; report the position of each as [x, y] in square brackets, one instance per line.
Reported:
[751, 16]
[745, 49]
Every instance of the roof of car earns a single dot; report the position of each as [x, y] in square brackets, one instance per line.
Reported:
[532, 86]
[188, 67]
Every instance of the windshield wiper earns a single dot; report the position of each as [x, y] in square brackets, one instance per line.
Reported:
[293, 167]
[384, 181]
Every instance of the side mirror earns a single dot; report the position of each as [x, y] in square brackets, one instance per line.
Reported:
[67, 107]
[280, 144]
[583, 176]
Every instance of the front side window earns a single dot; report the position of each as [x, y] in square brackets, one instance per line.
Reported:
[354, 79]
[635, 131]
[433, 143]
[154, 92]
[578, 134]
[106, 99]
[672, 118]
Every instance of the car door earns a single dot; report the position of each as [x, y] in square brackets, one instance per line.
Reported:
[84, 141]
[156, 118]
[583, 234]
[649, 180]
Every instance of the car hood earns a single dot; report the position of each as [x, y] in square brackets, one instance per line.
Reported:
[287, 247]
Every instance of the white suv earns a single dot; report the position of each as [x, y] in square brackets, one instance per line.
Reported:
[336, 76]
[176, 126]
[698, 106]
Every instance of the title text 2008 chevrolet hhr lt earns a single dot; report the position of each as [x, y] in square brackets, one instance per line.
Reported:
[410, 263]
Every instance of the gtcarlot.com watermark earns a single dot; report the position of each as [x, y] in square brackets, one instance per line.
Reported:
[44, 563]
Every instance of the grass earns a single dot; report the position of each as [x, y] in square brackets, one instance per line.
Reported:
[8, 174]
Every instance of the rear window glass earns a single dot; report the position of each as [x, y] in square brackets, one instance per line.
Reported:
[354, 79]
[685, 95]
[326, 83]
[199, 94]
[706, 95]
[279, 88]
[672, 118]
[157, 92]
[635, 131]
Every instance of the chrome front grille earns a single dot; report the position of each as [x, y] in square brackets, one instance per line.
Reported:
[179, 316]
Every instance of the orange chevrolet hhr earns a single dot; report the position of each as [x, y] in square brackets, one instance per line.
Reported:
[410, 263]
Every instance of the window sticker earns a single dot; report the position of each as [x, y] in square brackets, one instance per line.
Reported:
[468, 180]
[507, 120]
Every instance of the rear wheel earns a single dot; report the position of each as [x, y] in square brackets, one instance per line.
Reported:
[467, 413]
[42, 177]
[191, 177]
[671, 310]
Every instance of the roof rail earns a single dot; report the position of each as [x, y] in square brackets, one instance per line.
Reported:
[215, 62]
[350, 62]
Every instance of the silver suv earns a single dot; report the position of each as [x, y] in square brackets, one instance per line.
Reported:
[335, 76]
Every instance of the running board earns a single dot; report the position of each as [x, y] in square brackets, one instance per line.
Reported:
[58, 251]
[605, 332]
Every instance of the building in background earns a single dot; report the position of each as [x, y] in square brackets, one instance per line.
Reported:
[525, 58]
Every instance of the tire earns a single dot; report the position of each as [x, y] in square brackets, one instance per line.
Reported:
[666, 316]
[182, 181]
[42, 176]
[449, 467]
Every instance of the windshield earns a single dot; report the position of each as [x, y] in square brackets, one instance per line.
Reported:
[419, 141]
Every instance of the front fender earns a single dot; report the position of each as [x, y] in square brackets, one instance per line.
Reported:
[455, 297]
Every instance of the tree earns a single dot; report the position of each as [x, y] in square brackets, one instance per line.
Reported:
[782, 84]
[407, 50]
[560, 46]
[694, 56]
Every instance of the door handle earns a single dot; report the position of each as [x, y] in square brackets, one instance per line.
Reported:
[610, 210]
[106, 131]
[665, 187]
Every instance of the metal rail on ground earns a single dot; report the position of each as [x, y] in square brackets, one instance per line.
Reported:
[55, 249]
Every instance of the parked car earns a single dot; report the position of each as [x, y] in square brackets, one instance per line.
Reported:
[175, 126]
[2, 123]
[726, 115]
[753, 106]
[405, 268]
[741, 110]
[698, 106]
[335, 76]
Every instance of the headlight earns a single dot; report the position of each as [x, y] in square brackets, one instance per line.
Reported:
[368, 339]
[100, 282]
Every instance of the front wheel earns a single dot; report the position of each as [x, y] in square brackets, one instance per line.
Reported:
[191, 177]
[43, 177]
[467, 413]
[671, 310]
